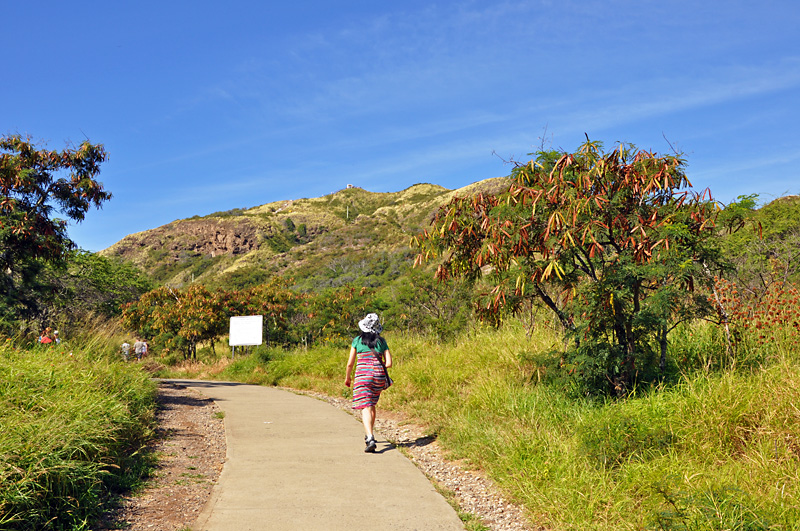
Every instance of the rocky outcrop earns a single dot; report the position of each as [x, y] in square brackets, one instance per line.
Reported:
[193, 237]
[218, 237]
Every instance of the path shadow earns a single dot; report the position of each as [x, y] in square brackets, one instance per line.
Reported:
[199, 383]
[166, 401]
[418, 442]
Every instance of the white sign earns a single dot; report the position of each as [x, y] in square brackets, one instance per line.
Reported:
[246, 330]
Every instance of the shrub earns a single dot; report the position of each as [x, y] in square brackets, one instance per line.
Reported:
[74, 427]
[713, 509]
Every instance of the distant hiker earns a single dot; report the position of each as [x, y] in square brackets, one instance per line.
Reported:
[45, 338]
[367, 354]
[56, 339]
[139, 348]
[126, 350]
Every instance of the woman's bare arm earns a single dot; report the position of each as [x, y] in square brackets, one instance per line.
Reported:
[351, 361]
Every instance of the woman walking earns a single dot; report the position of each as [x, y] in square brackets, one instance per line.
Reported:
[367, 354]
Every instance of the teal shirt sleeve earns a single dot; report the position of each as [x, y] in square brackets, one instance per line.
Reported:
[381, 346]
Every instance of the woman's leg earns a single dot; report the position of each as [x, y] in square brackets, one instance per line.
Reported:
[368, 418]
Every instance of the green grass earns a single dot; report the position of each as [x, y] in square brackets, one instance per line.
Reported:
[714, 450]
[74, 427]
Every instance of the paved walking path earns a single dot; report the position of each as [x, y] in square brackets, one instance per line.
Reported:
[297, 463]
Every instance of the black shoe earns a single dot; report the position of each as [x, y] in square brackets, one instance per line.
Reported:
[371, 446]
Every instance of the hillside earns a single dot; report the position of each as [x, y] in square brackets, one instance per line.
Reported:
[771, 252]
[349, 235]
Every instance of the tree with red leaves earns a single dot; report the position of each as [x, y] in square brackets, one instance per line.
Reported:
[614, 244]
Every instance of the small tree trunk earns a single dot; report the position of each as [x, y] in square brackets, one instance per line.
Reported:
[662, 341]
[623, 330]
[723, 315]
[629, 363]
[566, 321]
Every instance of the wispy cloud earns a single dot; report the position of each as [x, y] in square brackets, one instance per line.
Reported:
[639, 101]
[763, 167]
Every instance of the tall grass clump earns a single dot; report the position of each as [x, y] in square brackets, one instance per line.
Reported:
[713, 450]
[73, 429]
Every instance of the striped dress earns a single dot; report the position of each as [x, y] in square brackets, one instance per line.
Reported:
[370, 378]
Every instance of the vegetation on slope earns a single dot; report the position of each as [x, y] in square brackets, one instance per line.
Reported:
[771, 253]
[311, 240]
[74, 427]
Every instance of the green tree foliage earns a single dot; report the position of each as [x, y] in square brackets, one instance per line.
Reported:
[31, 194]
[35, 185]
[769, 255]
[178, 319]
[154, 316]
[423, 304]
[65, 294]
[614, 244]
[95, 283]
[201, 317]
[274, 300]
[332, 316]
[23, 295]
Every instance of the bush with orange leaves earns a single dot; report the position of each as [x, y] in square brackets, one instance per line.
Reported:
[765, 320]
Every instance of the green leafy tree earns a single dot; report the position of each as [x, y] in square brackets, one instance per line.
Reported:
[69, 294]
[155, 316]
[423, 304]
[178, 319]
[333, 315]
[201, 317]
[98, 284]
[36, 185]
[275, 301]
[769, 255]
[614, 244]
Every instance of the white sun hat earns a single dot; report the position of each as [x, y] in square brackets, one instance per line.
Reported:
[371, 323]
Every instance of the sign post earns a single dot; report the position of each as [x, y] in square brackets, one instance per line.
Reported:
[245, 330]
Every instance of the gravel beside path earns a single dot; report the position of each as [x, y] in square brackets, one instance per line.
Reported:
[190, 446]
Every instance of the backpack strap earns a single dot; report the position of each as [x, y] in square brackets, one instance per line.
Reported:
[389, 380]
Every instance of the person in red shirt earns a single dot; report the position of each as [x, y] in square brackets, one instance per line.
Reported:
[45, 337]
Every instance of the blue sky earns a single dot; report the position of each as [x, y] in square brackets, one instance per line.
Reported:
[207, 106]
